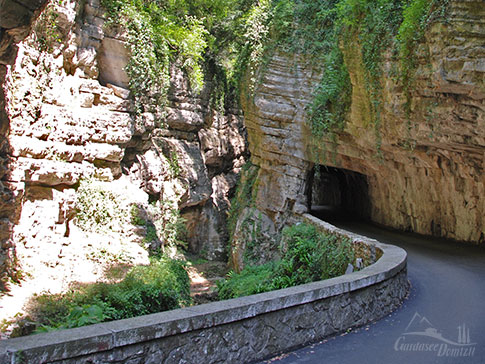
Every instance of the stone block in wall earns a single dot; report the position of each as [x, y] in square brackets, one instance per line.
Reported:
[113, 57]
[184, 120]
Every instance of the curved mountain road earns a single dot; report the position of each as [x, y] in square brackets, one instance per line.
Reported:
[442, 321]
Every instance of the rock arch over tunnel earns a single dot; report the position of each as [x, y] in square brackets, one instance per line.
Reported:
[340, 191]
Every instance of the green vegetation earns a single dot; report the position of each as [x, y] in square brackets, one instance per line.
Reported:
[254, 43]
[321, 30]
[98, 209]
[174, 165]
[254, 239]
[161, 286]
[252, 280]
[416, 17]
[158, 32]
[226, 41]
[307, 255]
[165, 228]
[410, 31]
[200, 36]
[47, 31]
[375, 23]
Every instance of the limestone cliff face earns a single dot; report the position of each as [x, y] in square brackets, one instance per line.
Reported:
[70, 115]
[16, 20]
[429, 177]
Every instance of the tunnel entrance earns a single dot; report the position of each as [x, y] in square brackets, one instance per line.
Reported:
[338, 193]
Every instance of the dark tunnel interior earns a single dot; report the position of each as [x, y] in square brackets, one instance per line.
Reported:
[338, 193]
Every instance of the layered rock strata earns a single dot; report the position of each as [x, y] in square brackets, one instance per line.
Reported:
[16, 20]
[427, 175]
[71, 119]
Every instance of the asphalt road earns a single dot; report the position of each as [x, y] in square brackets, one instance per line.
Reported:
[442, 321]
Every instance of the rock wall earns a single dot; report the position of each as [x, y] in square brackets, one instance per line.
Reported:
[15, 24]
[70, 113]
[429, 177]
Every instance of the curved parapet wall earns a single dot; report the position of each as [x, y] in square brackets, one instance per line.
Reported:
[233, 331]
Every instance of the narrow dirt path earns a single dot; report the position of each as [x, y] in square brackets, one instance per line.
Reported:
[203, 277]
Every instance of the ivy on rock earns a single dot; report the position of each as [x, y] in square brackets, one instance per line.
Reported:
[321, 29]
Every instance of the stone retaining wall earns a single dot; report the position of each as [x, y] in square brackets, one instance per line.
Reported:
[234, 331]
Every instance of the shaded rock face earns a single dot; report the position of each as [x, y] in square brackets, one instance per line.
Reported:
[70, 116]
[429, 177]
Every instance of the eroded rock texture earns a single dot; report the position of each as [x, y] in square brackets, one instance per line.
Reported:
[429, 177]
[16, 19]
[70, 115]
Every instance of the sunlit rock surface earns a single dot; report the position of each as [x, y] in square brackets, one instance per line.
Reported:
[70, 116]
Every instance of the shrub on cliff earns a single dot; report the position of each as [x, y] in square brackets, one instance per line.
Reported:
[98, 208]
[199, 36]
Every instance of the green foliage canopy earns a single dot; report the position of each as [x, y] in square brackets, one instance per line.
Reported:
[193, 33]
